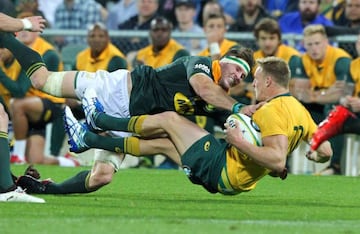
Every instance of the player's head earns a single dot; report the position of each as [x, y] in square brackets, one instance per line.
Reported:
[97, 37]
[315, 41]
[236, 65]
[268, 36]
[271, 74]
[160, 32]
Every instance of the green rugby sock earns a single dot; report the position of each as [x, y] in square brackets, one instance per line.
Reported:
[6, 180]
[132, 124]
[29, 59]
[76, 184]
[129, 145]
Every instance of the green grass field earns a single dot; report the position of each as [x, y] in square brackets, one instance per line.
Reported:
[164, 201]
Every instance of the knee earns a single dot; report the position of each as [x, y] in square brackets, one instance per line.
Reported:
[101, 176]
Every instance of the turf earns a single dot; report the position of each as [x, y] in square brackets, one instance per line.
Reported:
[164, 201]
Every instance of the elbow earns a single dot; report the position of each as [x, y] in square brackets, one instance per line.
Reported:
[280, 165]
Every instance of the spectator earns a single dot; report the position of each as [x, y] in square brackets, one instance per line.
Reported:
[250, 12]
[277, 8]
[308, 13]
[268, 37]
[295, 22]
[319, 81]
[48, 8]
[215, 29]
[334, 10]
[147, 10]
[31, 6]
[120, 12]
[101, 53]
[167, 9]
[228, 8]
[185, 11]
[75, 14]
[352, 26]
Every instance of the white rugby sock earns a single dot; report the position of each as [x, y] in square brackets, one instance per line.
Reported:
[19, 148]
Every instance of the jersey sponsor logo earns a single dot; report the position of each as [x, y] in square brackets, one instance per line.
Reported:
[201, 121]
[209, 108]
[207, 146]
[183, 105]
[203, 67]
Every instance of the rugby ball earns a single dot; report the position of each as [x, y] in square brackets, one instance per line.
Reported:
[247, 126]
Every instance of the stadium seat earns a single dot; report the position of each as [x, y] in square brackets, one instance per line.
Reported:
[68, 55]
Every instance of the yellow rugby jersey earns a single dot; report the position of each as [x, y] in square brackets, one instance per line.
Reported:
[355, 74]
[225, 46]
[323, 75]
[285, 52]
[283, 115]
[166, 56]
[85, 62]
[13, 71]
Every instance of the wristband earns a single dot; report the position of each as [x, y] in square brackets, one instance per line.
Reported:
[214, 48]
[27, 24]
[236, 107]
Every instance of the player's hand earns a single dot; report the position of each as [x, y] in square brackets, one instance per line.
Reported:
[314, 156]
[249, 110]
[37, 23]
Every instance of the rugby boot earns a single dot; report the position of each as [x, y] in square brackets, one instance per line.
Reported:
[92, 107]
[19, 195]
[75, 131]
[331, 126]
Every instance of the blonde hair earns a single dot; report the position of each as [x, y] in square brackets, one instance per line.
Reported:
[313, 29]
[277, 68]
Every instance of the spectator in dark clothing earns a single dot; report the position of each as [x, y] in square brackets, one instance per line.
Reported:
[147, 11]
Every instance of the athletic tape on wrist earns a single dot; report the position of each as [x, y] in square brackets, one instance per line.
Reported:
[236, 107]
[27, 24]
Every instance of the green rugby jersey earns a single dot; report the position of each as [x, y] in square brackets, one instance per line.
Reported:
[168, 88]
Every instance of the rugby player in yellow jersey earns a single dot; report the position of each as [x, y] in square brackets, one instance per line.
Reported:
[8, 189]
[217, 166]
[191, 85]
[319, 81]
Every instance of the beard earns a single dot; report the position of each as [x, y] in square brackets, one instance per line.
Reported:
[308, 16]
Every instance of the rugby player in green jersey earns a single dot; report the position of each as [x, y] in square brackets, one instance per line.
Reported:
[228, 167]
[190, 86]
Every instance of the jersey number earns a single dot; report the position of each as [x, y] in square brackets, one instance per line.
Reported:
[299, 131]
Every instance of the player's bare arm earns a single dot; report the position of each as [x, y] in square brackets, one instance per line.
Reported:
[10, 24]
[272, 155]
[210, 92]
